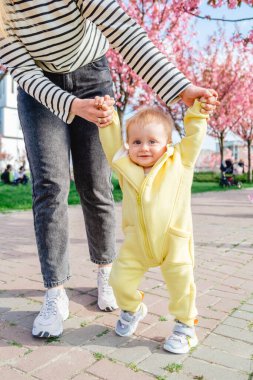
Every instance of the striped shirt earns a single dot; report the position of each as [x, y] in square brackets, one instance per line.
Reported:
[62, 36]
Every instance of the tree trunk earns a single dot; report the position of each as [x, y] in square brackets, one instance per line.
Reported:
[249, 174]
[221, 144]
[121, 114]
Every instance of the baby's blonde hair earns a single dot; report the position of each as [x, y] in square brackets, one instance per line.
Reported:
[149, 115]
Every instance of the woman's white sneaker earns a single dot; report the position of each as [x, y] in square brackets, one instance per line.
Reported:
[106, 299]
[54, 311]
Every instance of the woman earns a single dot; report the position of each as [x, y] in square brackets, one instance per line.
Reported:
[55, 51]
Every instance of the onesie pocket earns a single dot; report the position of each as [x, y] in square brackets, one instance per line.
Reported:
[178, 247]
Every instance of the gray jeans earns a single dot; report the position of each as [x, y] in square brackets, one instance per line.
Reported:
[48, 143]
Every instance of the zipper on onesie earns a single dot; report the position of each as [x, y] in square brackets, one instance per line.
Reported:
[142, 220]
[157, 165]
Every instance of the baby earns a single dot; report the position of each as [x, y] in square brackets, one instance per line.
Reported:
[156, 178]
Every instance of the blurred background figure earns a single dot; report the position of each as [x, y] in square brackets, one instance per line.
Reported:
[228, 168]
[6, 176]
[20, 177]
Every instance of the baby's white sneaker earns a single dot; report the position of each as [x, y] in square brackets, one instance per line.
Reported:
[182, 339]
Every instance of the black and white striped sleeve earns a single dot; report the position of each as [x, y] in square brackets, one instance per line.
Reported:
[129, 39]
[30, 78]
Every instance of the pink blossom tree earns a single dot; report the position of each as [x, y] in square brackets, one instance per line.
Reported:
[245, 40]
[245, 127]
[220, 66]
[166, 23]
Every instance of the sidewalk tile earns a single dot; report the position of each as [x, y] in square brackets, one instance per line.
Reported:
[229, 345]
[12, 374]
[237, 322]
[66, 366]
[223, 358]
[40, 357]
[158, 361]
[210, 371]
[234, 332]
[80, 336]
[106, 342]
[9, 352]
[135, 351]
[108, 370]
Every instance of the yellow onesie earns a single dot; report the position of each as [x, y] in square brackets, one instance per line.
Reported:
[156, 218]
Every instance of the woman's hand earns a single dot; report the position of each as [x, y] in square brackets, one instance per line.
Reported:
[98, 111]
[208, 98]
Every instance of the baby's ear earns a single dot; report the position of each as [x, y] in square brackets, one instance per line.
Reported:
[126, 146]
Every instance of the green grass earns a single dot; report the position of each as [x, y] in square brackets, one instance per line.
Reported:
[215, 176]
[29, 351]
[98, 355]
[201, 187]
[15, 197]
[53, 339]
[103, 333]
[173, 367]
[20, 197]
[14, 343]
[163, 318]
[133, 367]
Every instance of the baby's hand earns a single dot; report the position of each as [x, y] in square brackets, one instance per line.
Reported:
[209, 104]
[104, 103]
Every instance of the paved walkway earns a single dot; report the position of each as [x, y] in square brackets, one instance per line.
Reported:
[89, 349]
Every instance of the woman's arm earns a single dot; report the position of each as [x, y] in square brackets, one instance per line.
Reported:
[129, 39]
[132, 42]
[30, 77]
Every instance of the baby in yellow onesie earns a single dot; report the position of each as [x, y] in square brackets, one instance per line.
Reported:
[156, 178]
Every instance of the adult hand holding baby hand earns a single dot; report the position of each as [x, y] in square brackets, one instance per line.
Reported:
[98, 111]
[208, 98]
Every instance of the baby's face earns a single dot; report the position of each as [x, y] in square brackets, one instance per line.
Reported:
[147, 144]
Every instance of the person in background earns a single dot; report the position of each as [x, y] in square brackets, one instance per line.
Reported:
[20, 176]
[241, 165]
[6, 175]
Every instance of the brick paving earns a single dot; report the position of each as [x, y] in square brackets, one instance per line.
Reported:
[89, 348]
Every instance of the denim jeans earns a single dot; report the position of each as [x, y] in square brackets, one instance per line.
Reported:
[48, 143]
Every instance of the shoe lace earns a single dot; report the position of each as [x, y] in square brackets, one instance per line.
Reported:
[49, 307]
[103, 281]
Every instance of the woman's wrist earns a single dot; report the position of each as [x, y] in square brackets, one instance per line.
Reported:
[75, 106]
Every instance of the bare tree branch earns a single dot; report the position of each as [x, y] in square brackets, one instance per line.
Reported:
[217, 19]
